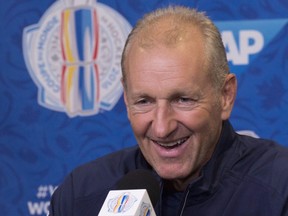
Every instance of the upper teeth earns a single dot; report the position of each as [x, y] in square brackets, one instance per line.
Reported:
[170, 144]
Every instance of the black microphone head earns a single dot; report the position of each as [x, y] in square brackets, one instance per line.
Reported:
[141, 179]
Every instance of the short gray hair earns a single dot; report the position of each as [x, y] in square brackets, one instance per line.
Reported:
[180, 18]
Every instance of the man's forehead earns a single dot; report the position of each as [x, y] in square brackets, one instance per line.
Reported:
[166, 34]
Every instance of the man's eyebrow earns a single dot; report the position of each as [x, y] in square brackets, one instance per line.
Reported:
[185, 91]
[174, 93]
[139, 94]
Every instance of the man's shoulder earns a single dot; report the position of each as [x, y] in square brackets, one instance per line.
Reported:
[110, 166]
[101, 174]
[86, 187]
[265, 162]
[109, 161]
[263, 150]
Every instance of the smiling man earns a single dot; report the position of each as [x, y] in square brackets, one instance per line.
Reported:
[175, 109]
[179, 94]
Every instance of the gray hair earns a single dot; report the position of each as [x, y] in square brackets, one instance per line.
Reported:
[179, 20]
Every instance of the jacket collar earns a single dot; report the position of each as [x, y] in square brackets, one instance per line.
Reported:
[208, 182]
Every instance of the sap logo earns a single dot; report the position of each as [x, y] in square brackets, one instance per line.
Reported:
[243, 40]
[250, 42]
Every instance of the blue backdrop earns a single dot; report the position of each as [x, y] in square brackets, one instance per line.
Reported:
[45, 133]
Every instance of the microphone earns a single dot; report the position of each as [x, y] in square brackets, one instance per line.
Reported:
[137, 192]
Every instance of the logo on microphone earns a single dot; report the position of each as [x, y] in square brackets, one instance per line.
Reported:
[146, 209]
[121, 203]
[73, 56]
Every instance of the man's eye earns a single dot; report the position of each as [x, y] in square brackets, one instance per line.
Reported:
[142, 102]
[142, 105]
[185, 100]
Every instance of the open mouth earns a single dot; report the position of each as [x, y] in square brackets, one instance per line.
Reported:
[171, 145]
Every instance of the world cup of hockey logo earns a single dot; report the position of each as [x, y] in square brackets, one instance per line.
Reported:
[80, 74]
[73, 55]
[121, 203]
[145, 209]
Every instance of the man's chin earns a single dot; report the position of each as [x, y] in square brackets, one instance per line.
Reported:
[170, 174]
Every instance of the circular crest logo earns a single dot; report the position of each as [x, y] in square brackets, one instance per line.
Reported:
[74, 56]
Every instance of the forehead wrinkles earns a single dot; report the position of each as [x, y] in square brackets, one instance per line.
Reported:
[159, 63]
[164, 84]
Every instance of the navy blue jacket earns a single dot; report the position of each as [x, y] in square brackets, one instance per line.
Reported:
[244, 177]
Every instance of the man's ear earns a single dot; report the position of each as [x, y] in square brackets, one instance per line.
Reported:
[228, 95]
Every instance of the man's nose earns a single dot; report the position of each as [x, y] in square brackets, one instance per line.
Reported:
[164, 122]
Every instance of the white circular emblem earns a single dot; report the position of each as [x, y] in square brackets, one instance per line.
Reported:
[74, 54]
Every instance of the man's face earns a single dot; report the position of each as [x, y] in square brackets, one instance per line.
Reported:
[174, 111]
